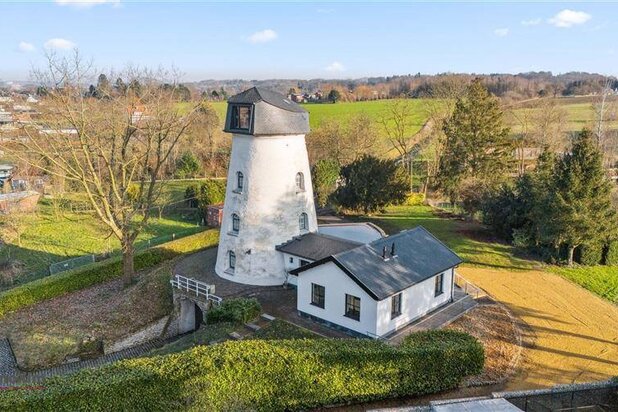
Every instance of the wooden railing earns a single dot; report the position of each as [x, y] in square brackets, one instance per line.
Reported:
[193, 286]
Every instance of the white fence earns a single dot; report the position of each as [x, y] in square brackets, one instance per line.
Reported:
[193, 286]
[469, 288]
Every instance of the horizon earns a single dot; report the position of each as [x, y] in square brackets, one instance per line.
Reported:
[330, 41]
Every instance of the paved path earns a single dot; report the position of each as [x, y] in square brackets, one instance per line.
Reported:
[436, 320]
[11, 375]
[575, 333]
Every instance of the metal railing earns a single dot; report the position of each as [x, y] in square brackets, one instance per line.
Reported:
[468, 287]
[200, 289]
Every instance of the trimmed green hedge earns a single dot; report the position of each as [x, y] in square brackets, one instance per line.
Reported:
[239, 310]
[77, 279]
[263, 376]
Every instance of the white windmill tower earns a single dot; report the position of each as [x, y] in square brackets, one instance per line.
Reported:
[269, 197]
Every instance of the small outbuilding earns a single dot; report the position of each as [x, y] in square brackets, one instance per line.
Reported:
[377, 288]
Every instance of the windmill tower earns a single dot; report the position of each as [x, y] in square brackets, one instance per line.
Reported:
[269, 197]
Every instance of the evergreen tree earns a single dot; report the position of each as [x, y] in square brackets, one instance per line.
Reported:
[581, 207]
[324, 175]
[477, 142]
[334, 95]
[370, 184]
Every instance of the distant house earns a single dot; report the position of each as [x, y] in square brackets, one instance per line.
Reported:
[377, 288]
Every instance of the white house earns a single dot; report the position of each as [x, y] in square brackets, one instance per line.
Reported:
[373, 289]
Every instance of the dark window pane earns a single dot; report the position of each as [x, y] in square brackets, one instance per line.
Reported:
[352, 307]
[396, 305]
[318, 293]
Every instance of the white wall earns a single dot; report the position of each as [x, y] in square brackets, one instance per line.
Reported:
[336, 284]
[292, 279]
[416, 301]
[269, 206]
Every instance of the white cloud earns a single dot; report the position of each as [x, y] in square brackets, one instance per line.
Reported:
[335, 67]
[25, 47]
[501, 32]
[569, 18]
[531, 22]
[57, 43]
[263, 36]
[85, 4]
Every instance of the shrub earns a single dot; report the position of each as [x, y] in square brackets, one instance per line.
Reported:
[86, 276]
[211, 192]
[239, 310]
[415, 199]
[611, 254]
[590, 254]
[263, 376]
[191, 195]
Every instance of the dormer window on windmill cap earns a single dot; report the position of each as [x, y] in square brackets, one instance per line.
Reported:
[261, 112]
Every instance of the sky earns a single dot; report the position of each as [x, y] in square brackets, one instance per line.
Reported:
[312, 40]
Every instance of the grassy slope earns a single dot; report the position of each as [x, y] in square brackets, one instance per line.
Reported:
[474, 244]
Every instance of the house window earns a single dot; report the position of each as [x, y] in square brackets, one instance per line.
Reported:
[318, 292]
[304, 262]
[291, 259]
[232, 260]
[300, 182]
[239, 181]
[235, 223]
[352, 307]
[303, 221]
[241, 117]
[439, 284]
[396, 306]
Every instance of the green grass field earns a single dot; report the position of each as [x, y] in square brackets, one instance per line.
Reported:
[602, 280]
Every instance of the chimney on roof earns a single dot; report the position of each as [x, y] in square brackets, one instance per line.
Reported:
[393, 250]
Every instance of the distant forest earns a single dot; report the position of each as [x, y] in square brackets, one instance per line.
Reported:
[508, 86]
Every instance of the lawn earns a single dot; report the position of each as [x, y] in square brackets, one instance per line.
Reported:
[50, 237]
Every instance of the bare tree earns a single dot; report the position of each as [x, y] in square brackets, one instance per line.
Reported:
[603, 106]
[398, 124]
[113, 146]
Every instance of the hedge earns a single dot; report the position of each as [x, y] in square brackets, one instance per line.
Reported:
[263, 376]
[56, 285]
[239, 310]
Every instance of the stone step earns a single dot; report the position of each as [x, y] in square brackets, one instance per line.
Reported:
[252, 326]
[268, 317]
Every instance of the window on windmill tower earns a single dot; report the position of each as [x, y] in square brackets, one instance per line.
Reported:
[235, 223]
[300, 181]
[241, 117]
[303, 221]
[240, 181]
[232, 260]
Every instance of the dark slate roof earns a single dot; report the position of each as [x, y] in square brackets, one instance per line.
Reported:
[258, 94]
[271, 114]
[419, 256]
[316, 246]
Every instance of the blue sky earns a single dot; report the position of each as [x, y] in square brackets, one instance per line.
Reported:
[313, 40]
